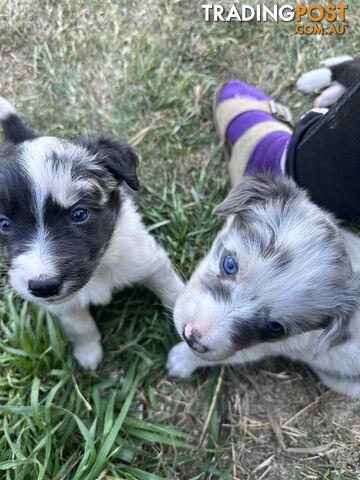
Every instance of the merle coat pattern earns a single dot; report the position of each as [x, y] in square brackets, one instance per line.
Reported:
[281, 278]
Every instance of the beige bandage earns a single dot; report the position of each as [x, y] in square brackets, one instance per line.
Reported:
[228, 110]
[244, 147]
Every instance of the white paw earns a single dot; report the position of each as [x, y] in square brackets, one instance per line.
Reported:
[329, 95]
[89, 355]
[181, 361]
[314, 80]
[329, 62]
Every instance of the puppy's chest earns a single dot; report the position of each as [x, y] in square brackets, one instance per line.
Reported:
[109, 279]
[99, 289]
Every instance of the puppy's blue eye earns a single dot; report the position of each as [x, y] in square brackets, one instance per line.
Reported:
[4, 225]
[275, 328]
[229, 265]
[80, 215]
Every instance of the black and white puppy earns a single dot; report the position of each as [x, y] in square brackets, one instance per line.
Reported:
[282, 278]
[334, 78]
[70, 230]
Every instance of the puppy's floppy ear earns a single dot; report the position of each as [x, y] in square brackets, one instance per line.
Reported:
[257, 189]
[337, 331]
[119, 159]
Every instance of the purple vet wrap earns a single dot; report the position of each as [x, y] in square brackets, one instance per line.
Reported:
[268, 152]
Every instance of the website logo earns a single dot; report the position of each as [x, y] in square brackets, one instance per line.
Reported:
[313, 19]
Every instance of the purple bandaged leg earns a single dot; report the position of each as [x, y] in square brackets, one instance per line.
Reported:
[268, 153]
[239, 89]
[244, 121]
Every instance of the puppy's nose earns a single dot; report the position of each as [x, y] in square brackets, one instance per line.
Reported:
[193, 339]
[44, 286]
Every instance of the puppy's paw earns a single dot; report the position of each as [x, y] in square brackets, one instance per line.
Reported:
[329, 62]
[314, 80]
[89, 355]
[181, 361]
[329, 95]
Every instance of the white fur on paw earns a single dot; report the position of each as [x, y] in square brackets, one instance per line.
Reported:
[181, 361]
[314, 80]
[329, 62]
[330, 95]
[89, 355]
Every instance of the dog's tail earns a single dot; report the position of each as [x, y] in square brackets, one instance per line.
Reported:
[14, 130]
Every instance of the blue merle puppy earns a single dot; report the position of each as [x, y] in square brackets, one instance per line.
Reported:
[281, 278]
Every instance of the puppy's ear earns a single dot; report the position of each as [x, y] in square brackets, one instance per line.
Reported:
[337, 331]
[258, 189]
[119, 159]
[334, 334]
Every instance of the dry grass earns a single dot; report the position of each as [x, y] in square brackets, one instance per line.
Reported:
[145, 71]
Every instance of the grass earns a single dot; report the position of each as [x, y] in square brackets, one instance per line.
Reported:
[144, 72]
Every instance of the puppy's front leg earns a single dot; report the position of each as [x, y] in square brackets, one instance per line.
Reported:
[163, 280]
[182, 362]
[84, 335]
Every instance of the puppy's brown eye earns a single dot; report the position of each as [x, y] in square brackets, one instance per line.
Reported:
[80, 215]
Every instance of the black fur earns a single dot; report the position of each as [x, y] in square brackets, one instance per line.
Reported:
[346, 73]
[15, 131]
[19, 208]
[77, 247]
[254, 330]
[119, 159]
